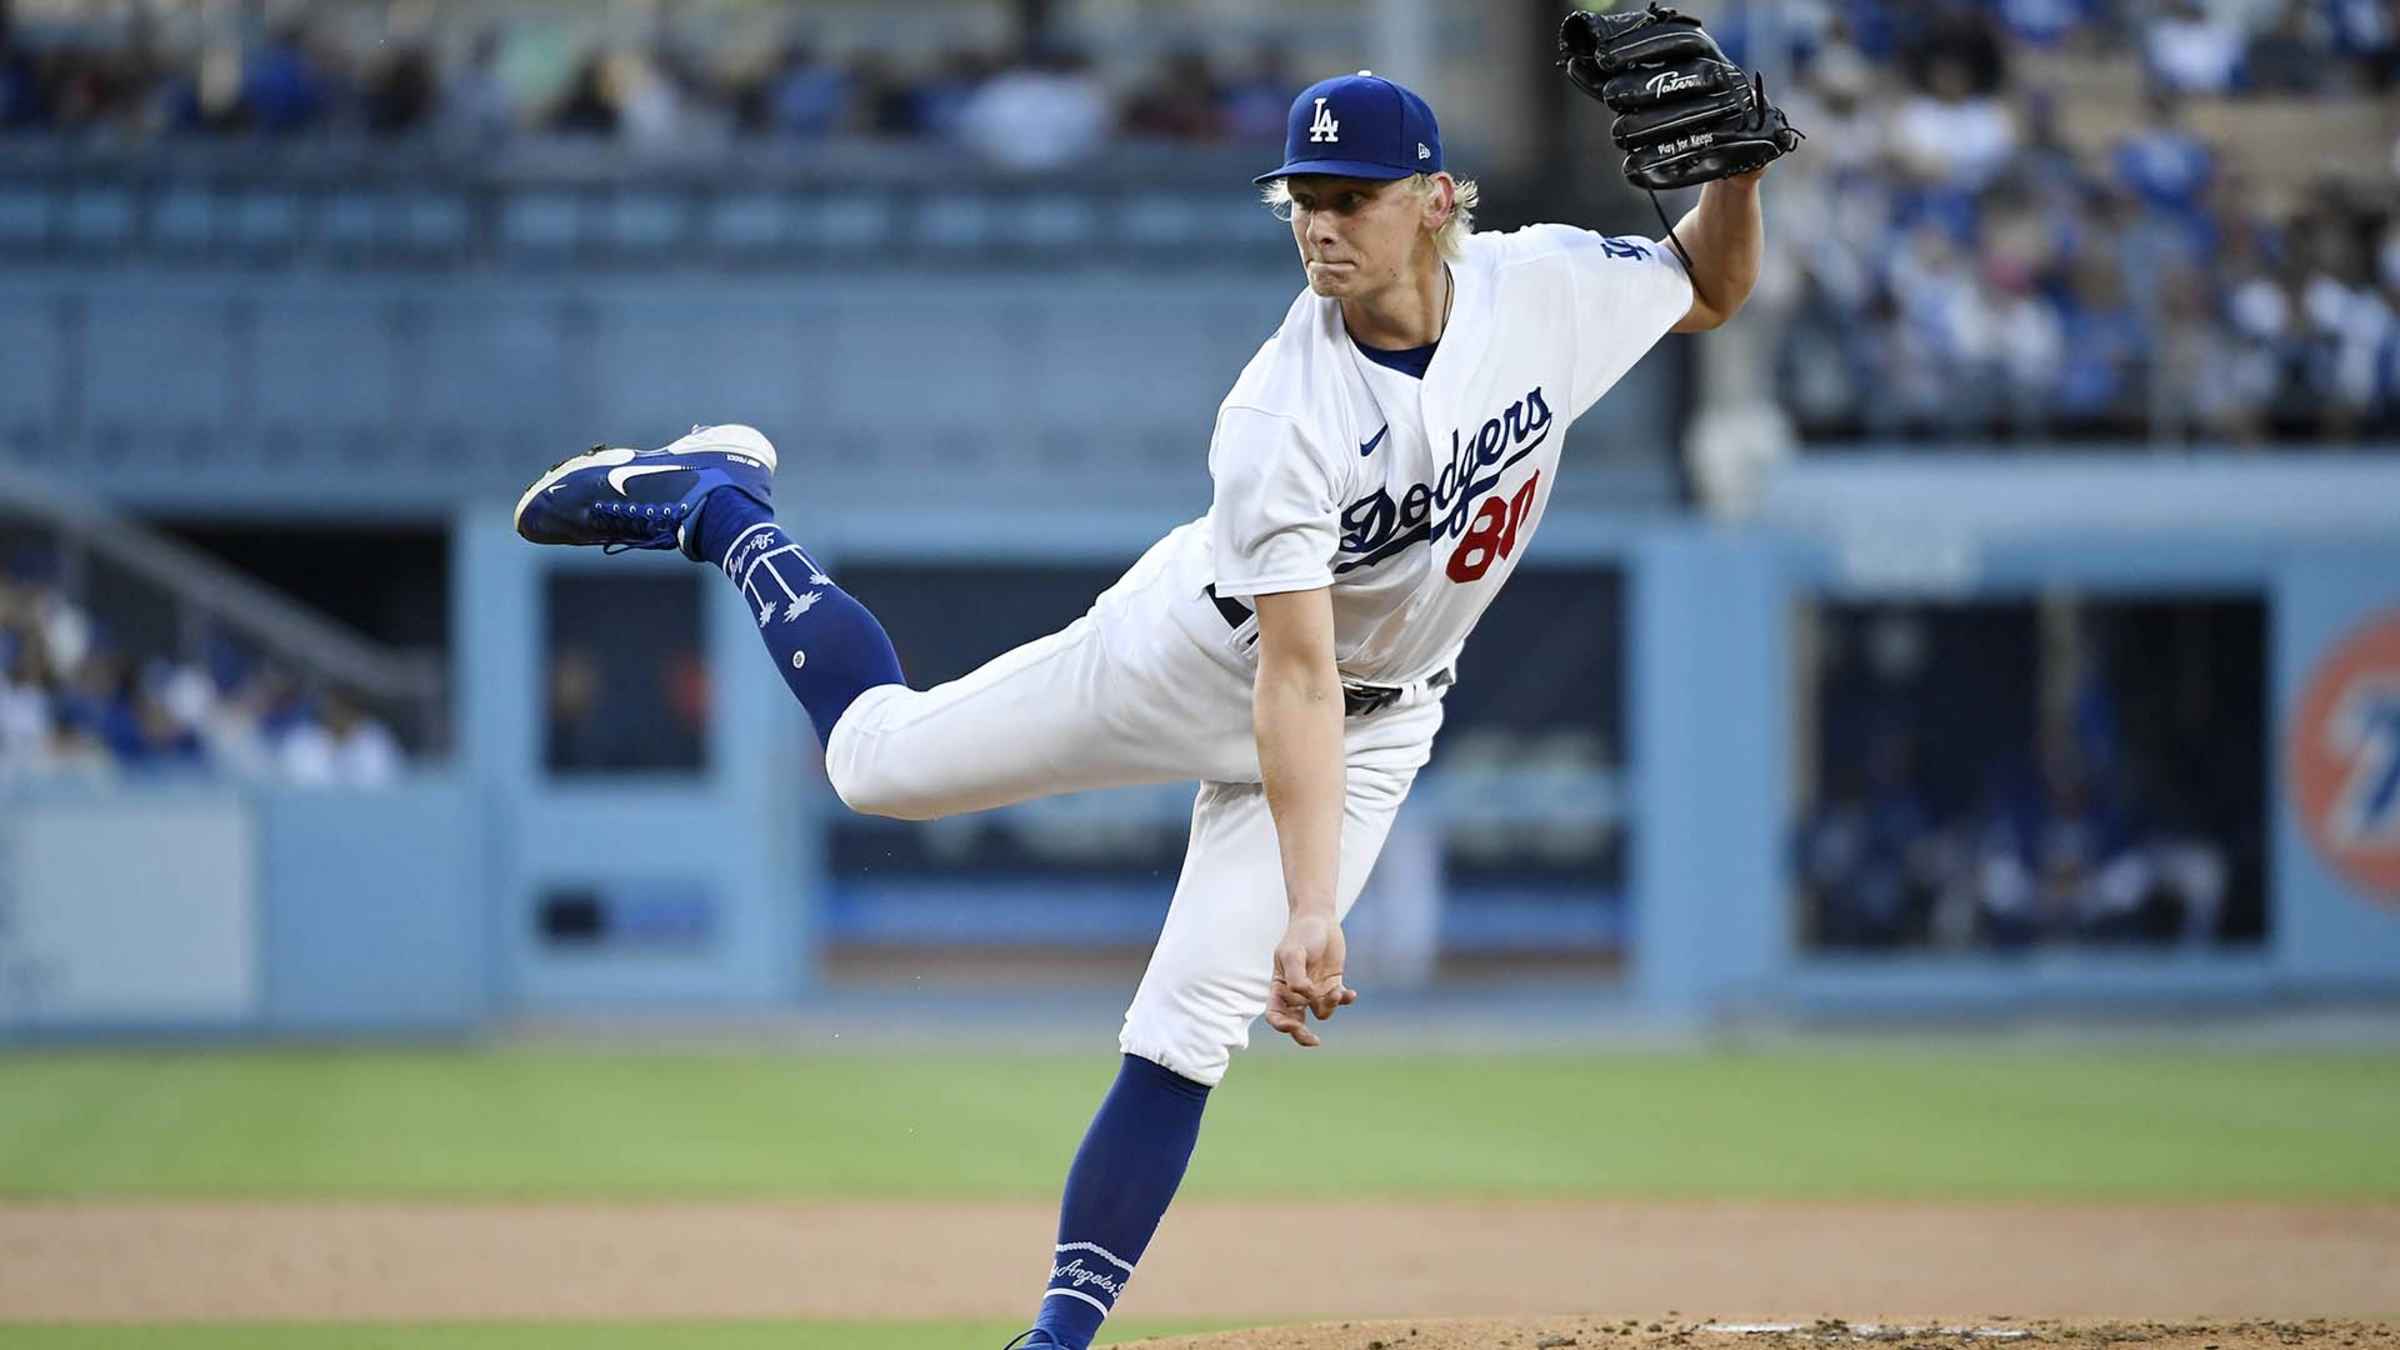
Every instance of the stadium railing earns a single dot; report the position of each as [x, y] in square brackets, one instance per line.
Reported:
[207, 596]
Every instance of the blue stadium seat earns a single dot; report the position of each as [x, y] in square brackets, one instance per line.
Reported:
[24, 218]
[265, 221]
[856, 222]
[352, 220]
[541, 222]
[750, 221]
[646, 221]
[100, 216]
[1051, 222]
[954, 222]
[437, 222]
[184, 218]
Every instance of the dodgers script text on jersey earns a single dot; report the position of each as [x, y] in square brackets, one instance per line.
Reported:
[1374, 528]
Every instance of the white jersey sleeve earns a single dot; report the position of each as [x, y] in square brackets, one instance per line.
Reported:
[1275, 521]
[1628, 292]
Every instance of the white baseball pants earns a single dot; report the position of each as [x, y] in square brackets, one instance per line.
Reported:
[1122, 697]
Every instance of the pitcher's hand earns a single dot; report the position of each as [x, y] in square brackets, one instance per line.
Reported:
[1308, 977]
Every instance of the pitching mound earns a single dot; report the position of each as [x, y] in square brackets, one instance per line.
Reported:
[1585, 1333]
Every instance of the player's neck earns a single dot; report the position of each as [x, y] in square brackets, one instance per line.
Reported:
[1411, 312]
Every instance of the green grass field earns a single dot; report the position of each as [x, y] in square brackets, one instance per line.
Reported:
[1922, 1121]
[1870, 1122]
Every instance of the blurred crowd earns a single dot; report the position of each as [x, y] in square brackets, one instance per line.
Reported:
[389, 71]
[1950, 813]
[2059, 857]
[1972, 261]
[1972, 269]
[1043, 104]
[77, 704]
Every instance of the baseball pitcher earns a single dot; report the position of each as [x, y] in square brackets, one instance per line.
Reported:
[1380, 469]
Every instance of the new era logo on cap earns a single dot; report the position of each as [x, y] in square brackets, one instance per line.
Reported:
[1359, 126]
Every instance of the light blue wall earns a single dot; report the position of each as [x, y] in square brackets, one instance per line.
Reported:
[377, 909]
[328, 393]
[1711, 742]
[368, 915]
[1710, 772]
[413, 910]
[732, 836]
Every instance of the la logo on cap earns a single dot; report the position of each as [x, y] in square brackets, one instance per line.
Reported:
[1324, 128]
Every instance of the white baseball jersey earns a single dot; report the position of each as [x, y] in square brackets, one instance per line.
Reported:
[1412, 500]
[1415, 499]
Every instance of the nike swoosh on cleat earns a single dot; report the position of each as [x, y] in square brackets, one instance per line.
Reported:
[618, 478]
[1369, 447]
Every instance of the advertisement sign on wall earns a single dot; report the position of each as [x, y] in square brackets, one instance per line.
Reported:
[2343, 757]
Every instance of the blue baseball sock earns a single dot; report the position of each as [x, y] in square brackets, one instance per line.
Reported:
[1131, 1161]
[829, 648]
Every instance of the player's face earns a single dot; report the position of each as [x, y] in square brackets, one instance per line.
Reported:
[1357, 236]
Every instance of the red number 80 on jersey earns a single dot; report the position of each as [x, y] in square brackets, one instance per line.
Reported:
[1492, 535]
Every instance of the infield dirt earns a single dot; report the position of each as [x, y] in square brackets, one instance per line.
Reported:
[1584, 1333]
[1676, 1264]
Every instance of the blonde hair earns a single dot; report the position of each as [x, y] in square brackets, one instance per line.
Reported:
[1450, 239]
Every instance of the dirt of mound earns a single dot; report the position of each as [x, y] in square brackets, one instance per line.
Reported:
[350, 1262]
[1586, 1333]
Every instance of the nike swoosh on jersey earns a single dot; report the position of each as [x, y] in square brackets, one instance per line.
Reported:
[618, 478]
[1369, 447]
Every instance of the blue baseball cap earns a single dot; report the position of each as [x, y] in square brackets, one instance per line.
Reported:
[1359, 126]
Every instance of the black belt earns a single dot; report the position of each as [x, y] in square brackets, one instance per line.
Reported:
[1358, 700]
[1236, 613]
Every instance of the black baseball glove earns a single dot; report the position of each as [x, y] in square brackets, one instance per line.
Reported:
[1685, 114]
